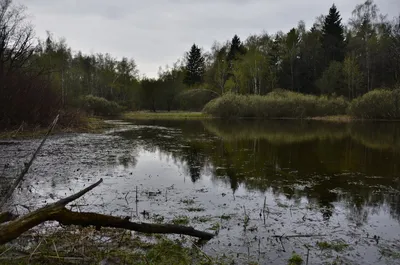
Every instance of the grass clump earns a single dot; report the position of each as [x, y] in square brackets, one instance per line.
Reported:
[203, 219]
[226, 217]
[188, 201]
[277, 104]
[295, 259]
[100, 106]
[108, 246]
[377, 104]
[336, 246]
[181, 220]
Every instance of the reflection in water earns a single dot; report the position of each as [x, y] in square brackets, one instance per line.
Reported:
[316, 178]
[324, 162]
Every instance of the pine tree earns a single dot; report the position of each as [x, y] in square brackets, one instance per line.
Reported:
[333, 41]
[195, 67]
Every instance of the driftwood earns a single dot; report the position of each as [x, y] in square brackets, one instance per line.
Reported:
[13, 226]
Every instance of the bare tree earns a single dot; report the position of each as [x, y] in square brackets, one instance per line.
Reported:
[16, 37]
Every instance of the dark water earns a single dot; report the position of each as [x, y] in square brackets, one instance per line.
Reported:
[340, 181]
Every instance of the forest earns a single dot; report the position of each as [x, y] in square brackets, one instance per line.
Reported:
[330, 59]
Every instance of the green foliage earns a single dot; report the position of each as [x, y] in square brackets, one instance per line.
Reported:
[295, 259]
[100, 106]
[377, 104]
[195, 99]
[278, 104]
[181, 220]
[332, 80]
[337, 246]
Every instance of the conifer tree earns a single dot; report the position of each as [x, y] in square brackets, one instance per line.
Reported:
[195, 67]
[333, 41]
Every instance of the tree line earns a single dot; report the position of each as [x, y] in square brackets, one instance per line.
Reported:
[40, 77]
[330, 58]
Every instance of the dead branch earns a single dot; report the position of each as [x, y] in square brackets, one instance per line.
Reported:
[57, 212]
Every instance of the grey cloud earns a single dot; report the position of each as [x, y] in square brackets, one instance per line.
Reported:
[157, 32]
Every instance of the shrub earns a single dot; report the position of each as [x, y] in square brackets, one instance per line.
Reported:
[277, 104]
[377, 104]
[100, 106]
[195, 99]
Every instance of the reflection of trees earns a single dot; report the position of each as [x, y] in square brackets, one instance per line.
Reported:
[324, 162]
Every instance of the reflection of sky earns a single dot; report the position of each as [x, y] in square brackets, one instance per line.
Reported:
[69, 163]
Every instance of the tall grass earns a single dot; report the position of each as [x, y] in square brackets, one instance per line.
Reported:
[377, 104]
[277, 104]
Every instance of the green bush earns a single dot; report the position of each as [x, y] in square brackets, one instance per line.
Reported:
[195, 99]
[277, 104]
[100, 106]
[377, 104]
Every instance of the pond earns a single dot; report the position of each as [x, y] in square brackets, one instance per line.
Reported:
[326, 191]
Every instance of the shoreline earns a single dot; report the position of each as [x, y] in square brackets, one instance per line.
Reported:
[96, 124]
[90, 125]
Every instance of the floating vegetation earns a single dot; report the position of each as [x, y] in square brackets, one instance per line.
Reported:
[188, 201]
[336, 246]
[295, 259]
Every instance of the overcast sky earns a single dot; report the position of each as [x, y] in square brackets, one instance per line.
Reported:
[158, 32]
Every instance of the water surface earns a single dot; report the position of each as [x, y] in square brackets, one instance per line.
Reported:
[338, 181]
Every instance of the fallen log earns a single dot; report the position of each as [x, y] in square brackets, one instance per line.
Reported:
[57, 212]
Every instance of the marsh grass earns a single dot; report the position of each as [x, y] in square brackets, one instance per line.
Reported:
[107, 246]
[377, 104]
[277, 104]
[336, 246]
[181, 220]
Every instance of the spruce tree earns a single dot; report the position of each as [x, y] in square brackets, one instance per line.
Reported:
[236, 49]
[195, 67]
[333, 41]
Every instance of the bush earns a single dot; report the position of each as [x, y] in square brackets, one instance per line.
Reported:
[100, 106]
[277, 104]
[377, 104]
[195, 99]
